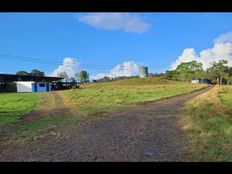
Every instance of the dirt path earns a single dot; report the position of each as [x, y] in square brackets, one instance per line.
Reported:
[149, 132]
[58, 108]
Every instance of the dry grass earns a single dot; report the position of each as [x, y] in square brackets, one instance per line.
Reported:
[207, 120]
[47, 102]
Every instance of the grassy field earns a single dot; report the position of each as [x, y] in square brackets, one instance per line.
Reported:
[97, 98]
[14, 105]
[208, 122]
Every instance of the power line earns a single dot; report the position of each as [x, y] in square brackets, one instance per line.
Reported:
[56, 63]
[8, 56]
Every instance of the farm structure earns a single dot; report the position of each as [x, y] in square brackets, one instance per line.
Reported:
[33, 86]
[143, 71]
[203, 81]
[25, 83]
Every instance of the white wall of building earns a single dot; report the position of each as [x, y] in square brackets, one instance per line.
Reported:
[31, 86]
[24, 86]
[195, 81]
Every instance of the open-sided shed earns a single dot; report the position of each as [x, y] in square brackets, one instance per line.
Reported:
[26, 83]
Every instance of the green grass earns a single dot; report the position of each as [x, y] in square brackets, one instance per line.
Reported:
[14, 105]
[209, 125]
[121, 94]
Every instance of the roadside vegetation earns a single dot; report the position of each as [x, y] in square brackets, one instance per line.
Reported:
[208, 123]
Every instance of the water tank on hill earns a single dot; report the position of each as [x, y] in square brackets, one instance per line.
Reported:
[143, 71]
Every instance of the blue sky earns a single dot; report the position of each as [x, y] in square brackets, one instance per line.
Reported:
[155, 40]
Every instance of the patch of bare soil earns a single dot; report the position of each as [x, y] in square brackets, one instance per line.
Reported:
[149, 132]
[59, 108]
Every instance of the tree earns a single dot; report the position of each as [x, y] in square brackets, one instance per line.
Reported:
[171, 74]
[185, 77]
[36, 72]
[189, 67]
[186, 71]
[23, 73]
[200, 75]
[218, 71]
[84, 76]
[63, 75]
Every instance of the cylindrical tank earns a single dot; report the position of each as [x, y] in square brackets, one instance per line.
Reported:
[143, 71]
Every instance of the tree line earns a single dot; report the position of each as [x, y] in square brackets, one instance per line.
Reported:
[218, 73]
[82, 76]
[34, 72]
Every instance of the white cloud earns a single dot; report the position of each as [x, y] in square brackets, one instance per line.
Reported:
[222, 49]
[70, 66]
[224, 38]
[128, 68]
[115, 21]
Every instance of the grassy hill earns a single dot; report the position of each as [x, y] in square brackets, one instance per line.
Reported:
[116, 95]
[138, 82]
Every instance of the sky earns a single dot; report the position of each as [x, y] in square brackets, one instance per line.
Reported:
[111, 44]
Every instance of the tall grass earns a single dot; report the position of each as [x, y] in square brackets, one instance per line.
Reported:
[208, 123]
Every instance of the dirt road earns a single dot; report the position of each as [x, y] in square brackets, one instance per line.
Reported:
[149, 132]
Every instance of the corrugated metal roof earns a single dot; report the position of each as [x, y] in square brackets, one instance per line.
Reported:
[13, 77]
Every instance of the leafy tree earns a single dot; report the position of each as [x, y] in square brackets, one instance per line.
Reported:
[63, 75]
[185, 77]
[200, 75]
[83, 76]
[218, 71]
[186, 71]
[229, 70]
[171, 74]
[189, 67]
[24, 73]
[36, 72]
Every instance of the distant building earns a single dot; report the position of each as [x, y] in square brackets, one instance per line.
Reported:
[32, 86]
[203, 81]
[143, 71]
[26, 83]
[195, 81]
